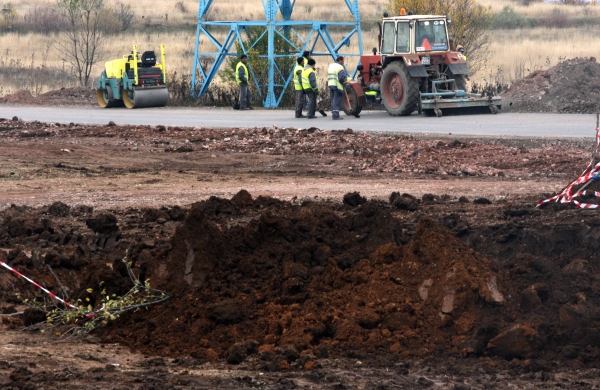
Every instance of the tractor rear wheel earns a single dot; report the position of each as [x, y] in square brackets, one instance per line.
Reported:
[350, 101]
[400, 91]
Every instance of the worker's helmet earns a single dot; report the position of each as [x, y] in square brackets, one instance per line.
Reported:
[460, 48]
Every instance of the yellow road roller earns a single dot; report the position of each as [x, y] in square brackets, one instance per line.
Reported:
[136, 80]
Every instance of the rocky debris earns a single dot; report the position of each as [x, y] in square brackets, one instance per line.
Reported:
[482, 201]
[103, 223]
[357, 153]
[517, 342]
[59, 209]
[404, 201]
[354, 199]
[573, 86]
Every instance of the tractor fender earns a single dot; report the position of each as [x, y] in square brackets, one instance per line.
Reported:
[417, 71]
[414, 66]
[459, 68]
[360, 94]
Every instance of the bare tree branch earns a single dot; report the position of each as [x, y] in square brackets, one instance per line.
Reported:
[82, 41]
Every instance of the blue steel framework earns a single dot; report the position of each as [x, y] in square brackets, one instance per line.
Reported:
[204, 72]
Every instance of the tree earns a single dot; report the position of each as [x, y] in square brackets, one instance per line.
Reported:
[470, 25]
[259, 64]
[82, 40]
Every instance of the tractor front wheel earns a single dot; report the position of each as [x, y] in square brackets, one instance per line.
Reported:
[459, 79]
[350, 101]
[400, 91]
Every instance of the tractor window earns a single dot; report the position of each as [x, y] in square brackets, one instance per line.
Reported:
[403, 38]
[431, 35]
[387, 46]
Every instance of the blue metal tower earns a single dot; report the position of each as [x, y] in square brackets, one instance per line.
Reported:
[298, 35]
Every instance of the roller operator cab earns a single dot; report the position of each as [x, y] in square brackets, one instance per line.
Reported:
[415, 69]
[137, 80]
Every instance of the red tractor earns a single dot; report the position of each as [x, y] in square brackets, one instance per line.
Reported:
[415, 69]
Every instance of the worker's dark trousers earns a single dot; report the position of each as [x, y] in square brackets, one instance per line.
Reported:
[299, 103]
[336, 101]
[312, 103]
[244, 95]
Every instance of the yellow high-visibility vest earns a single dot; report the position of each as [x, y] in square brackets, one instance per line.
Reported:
[237, 72]
[306, 82]
[298, 78]
[332, 75]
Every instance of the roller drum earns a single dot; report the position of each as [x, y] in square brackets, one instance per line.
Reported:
[146, 97]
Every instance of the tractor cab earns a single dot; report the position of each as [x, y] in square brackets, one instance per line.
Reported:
[415, 34]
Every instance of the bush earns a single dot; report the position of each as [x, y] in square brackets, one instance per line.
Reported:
[216, 95]
[48, 19]
[556, 19]
[124, 15]
[8, 16]
[43, 19]
[508, 18]
[528, 2]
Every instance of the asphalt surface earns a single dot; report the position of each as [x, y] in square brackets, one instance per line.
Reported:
[503, 124]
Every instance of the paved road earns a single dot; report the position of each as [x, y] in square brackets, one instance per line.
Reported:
[504, 124]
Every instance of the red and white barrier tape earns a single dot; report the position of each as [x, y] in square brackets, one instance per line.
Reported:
[590, 172]
[37, 285]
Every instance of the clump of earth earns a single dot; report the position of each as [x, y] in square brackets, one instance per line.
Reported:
[572, 86]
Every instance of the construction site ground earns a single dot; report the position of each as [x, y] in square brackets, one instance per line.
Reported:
[301, 258]
[440, 274]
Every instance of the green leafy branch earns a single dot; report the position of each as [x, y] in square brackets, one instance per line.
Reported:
[86, 318]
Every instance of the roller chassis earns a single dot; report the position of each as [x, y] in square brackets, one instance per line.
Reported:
[124, 82]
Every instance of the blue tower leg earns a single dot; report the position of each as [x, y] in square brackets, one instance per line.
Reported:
[207, 64]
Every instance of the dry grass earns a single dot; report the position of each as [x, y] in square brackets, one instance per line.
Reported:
[516, 53]
[513, 53]
[540, 9]
[177, 11]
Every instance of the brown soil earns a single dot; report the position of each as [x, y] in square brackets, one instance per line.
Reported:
[401, 288]
[63, 97]
[573, 86]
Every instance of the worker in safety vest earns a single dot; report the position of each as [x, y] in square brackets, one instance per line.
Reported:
[310, 86]
[298, 90]
[336, 77]
[305, 57]
[241, 76]
[461, 50]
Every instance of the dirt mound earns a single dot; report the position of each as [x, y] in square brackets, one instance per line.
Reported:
[313, 277]
[573, 86]
[19, 97]
[65, 96]
[291, 283]
[304, 281]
